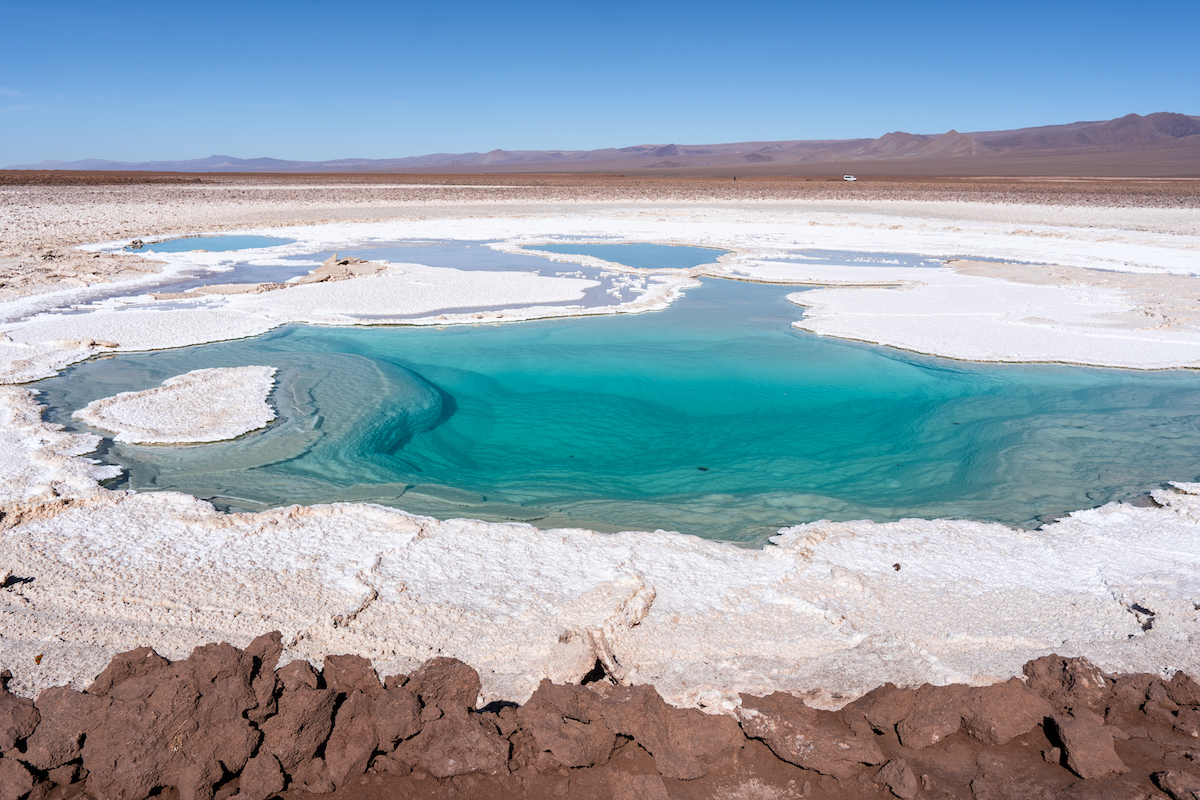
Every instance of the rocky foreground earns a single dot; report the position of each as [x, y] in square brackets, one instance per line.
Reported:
[227, 723]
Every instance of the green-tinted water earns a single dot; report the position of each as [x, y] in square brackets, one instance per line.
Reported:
[713, 417]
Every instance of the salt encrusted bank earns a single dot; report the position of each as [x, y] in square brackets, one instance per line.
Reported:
[822, 611]
[204, 405]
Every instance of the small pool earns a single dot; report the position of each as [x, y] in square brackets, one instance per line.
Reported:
[639, 255]
[853, 258]
[470, 256]
[214, 244]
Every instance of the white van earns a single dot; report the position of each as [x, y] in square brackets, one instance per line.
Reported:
[849, 178]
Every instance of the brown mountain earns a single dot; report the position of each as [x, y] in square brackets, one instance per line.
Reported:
[1163, 144]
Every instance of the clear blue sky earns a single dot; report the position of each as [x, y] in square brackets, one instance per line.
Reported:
[321, 79]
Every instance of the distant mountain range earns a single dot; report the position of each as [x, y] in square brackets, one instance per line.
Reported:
[1161, 144]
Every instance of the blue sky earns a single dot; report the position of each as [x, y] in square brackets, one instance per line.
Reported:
[321, 79]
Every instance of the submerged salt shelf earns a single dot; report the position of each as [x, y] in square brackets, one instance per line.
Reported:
[712, 418]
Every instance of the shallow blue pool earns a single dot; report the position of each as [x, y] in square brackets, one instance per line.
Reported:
[214, 244]
[639, 255]
[713, 417]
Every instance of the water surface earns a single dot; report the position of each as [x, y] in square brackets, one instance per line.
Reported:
[639, 255]
[713, 417]
[214, 244]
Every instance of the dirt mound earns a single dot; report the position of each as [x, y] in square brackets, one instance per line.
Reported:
[227, 723]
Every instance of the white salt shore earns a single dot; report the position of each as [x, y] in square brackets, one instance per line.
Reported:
[204, 405]
[824, 611]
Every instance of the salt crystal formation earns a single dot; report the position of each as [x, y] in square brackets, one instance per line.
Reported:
[204, 405]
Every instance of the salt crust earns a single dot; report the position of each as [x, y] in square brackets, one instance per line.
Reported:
[824, 611]
[41, 462]
[204, 405]
[983, 319]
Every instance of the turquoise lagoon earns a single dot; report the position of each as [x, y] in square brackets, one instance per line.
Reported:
[214, 244]
[713, 417]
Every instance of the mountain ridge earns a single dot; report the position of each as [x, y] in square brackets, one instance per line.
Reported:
[1132, 133]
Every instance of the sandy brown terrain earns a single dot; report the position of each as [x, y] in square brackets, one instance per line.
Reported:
[904, 185]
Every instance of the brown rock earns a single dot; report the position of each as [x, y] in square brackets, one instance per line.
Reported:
[806, 737]
[298, 674]
[1183, 690]
[66, 716]
[353, 740]
[1130, 690]
[265, 650]
[995, 714]
[261, 778]
[685, 743]
[568, 722]
[1187, 720]
[884, 706]
[1178, 784]
[1114, 787]
[397, 717]
[1156, 692]
[16, 781]
[64, 775]
[302, 725]
[18, 718]
[456, 743]
[310, 776]
[1157, 714]
[526, 752]
[344, 674]
[444, 685]
[506, 720]
[899, 778]
[180, 725]
[1067, 683]
[936, 714]
[1087, 743]
[390, 765]
[131, 664]
[637, 787]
